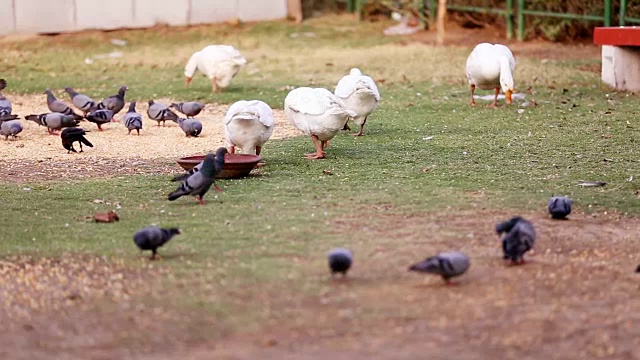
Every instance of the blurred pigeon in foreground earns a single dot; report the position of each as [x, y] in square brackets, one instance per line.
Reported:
[10, 128]
[190, 109]
[71, 135]
[160, 112]
[340, 261]
[58, 106]
[219, 165]
[132, 119]
[638, 269]
[100, 117]
[53, 121]
[559, 207]
[5, 104]
[153, 237]
[518, 239]
[446, 264]
[114, 103]
[191, 127]
[199, 183]
[81, 101]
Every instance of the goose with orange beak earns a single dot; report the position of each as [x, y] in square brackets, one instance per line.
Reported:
[491, 66]
[220, 63]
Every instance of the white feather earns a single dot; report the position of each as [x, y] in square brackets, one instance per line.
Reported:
[359, 93]
[490, 66]
[222, 62]
[248, 124]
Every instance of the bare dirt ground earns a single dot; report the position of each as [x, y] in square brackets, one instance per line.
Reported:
[115, 153]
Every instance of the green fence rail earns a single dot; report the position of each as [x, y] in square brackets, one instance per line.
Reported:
[520, 11]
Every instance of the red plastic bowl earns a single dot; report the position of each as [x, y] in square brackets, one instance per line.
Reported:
[235, 165]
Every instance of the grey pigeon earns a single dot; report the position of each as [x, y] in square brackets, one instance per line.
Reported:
[115, 102]
[519, 237]
[191, 127]
[59, 106]
[5, 104]
[71, 135]
[340, 261]
[218, 166]
[153, 237]
[81, 101]
[199, 183]
[53, 121]
[559, 207]
[446, 264]
[10, 128]
[190, 109]
[160, 112]
[100, 117]
[132, 119]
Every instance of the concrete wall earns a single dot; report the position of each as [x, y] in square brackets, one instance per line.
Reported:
[50, 16]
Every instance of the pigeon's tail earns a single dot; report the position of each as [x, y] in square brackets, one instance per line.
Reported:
[8, 117]
[181, 177]
[174, 195]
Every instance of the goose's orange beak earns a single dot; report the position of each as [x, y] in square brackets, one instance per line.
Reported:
[187, 80]
[507, 96]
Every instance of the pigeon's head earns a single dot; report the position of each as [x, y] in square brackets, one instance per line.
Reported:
[68, 89]
[123, 89]
[47, 91]
[151, 102]
[175, 231]
[507, 225]
[221, 151]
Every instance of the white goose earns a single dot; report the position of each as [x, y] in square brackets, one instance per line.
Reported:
[318, 113]
[220, 63]
[491, 66]
[359, 93]
[248, 125]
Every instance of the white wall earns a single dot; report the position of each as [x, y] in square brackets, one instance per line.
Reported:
[50, 16]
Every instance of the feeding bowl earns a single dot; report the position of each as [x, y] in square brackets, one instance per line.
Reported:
[235, 165]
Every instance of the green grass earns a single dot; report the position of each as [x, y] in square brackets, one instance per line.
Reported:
[517, 160]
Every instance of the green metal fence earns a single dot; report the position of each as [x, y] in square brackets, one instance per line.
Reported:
[520, 11]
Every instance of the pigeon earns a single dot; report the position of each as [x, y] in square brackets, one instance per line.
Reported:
[199, 183]
[518, 239]
[190, 109]
[340, 261]
[10, 128]
[132, 119]
[5, 104]
[219, 165]
[446, 264]
[153, 237]
[191, 127]
[53, 121]
[57, 106]
[71, 135]
[114, 103]
[559, 207]
[160, 112]
[81, 101]
[100, 117]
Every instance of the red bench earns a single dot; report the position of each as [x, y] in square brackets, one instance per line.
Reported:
[620, 56]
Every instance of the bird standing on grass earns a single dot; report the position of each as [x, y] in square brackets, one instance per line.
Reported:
[340, 261]
[220, 63]
[219, 165]
[559, 207]
[153, 237]
[132, 119]
[81, 101]
[189, 109]
[359, 93]
[198, 183]
[71, 135]
[491, 66]
[519, 238]
[446, 264]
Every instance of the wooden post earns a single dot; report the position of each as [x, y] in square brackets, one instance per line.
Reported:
[294, 10]
[442, 14]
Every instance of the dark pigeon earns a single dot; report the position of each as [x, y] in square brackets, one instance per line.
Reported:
[160, 112]
[219, 165]
[191, 127]
[53, 121]
[446, 264]
[153, 237]
[100, 117]
[519, 237]
[132, 119]
[71, 135]
[559, 207]
[199, 183]
[190, 109]
[638, 269]
[81, 101]
[58, 106]
[114, 103]
[10, 128]
[5, 105]
[340, 261]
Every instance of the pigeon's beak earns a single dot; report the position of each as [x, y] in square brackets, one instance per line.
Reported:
[187, 80]
[507, 95]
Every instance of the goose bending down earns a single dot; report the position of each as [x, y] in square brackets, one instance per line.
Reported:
[220, 63]
[248, 125]
[491, 66]
[359, 93]
[317, 113]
